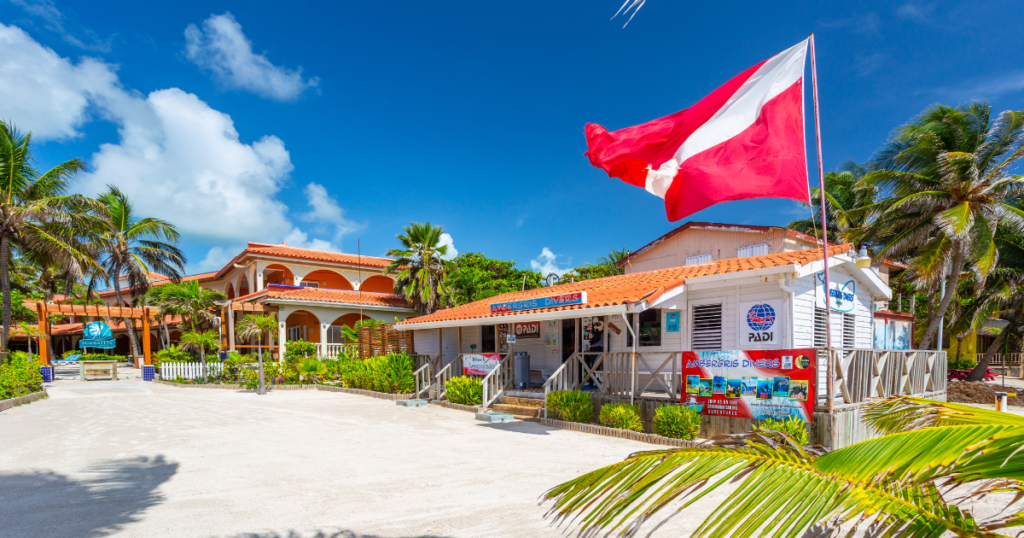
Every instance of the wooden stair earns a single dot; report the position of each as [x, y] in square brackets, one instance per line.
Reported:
[520, 408]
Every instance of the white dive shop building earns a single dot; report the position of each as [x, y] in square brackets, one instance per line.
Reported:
[623, 336]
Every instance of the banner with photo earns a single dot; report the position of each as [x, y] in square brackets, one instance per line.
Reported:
[757, 384]
[479, 364]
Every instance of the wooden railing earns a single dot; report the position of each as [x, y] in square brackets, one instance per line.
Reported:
[450, 370]
[878, 373]
[423, 380]
[495, 383]
[996, 359]
[566, 377]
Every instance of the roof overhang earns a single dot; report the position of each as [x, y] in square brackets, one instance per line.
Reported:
[517, 318]
[875, 286]
[325, 304]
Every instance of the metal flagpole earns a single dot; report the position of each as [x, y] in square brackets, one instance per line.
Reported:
[824, 230]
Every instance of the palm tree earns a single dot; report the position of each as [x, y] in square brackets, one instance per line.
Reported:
[849, 206]
[36, 213]
[31, 332]
[901, 481]
[257, 326]
[132, 247]
[312, 369]
[946, 177]
[422, 259]
[201, 341]
[351, 334]
[614, 256]
[193, 302]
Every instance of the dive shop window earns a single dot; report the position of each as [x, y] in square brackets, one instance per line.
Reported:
[820, 319]
[649, 328]
[707, 327]
[487, 339]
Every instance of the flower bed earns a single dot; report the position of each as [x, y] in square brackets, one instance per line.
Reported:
[21, 400]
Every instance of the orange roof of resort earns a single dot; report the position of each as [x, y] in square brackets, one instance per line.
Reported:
[294, 253]
[327, 295]
[201, 277]
[625, 289]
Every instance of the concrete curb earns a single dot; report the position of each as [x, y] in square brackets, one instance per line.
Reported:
[21, 400]
[230, 387]
[457, 407]
[363, 392]
[621, 434]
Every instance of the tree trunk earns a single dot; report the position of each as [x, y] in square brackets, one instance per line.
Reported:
[5, 284]
[128, 323]
[259, 355]
[937, 315]
[959, 346]
[202, 361]
[167, 332]
[979, 371]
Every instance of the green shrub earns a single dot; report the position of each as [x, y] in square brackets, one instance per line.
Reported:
[169, 353]
[19, 376]
[677, 422]
[622, 416]
[386, 373]
[571, 406]
[962, 364]
[298, 351]
[465, 390]
[794, 427]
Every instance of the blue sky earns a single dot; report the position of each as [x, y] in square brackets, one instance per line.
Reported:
[324, 124]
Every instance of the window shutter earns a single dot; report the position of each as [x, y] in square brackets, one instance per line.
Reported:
[752, 250]
[820, 315]
[702, 258]
[849, 331]
[707, 327]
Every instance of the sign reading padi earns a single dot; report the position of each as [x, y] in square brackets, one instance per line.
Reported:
[97, 335]
[762, 327]
[579, 297]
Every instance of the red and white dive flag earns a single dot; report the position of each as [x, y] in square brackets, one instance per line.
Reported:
[744, 140]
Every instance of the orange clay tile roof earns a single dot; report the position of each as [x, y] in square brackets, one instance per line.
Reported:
[323, 256]
[627, 289]
[327, 295]
[201, 277]
[714, 225]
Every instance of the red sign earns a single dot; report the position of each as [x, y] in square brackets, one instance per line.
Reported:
[530, 329]
[758, 384]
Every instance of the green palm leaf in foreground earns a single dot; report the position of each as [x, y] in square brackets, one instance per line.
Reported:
[897, 484]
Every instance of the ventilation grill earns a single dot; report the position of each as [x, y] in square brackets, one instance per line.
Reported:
[703, 258]
[707, 327]
[849, 331]
[752, 250]
[819, 327]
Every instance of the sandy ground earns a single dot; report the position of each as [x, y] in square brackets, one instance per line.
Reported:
[128, 458]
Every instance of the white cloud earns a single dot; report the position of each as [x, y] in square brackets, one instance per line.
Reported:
[222, 48]
[916, 11]
[324, 210]
[47, 94]
[446, 241]
[55, 21]
[546, 263]
[177, 158]
[216, 258]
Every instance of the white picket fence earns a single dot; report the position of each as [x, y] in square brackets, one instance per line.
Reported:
[189, 370]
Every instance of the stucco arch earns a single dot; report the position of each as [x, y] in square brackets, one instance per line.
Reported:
[230, 292]
[378, 283]
[277, 274]
[243, 285]
[302, 325]
[325, 278]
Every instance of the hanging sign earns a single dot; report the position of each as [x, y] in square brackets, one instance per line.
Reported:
[761, 324]
[479, 364]
[97, 335]
[671, 322]
[577, 297]
[530, 329]
[840, 295]
[757, 384]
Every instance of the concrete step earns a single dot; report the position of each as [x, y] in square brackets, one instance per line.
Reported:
[522, 402]
[517, 410]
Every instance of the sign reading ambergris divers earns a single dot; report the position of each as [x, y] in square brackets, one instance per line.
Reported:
[97, 335]
[479, 364]
[577, 297]
[758, 384]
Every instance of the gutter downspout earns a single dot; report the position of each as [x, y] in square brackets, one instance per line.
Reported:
[790, 326]
[632, 377]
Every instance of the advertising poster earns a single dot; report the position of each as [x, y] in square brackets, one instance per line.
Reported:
[757, 384]
[480, 364]
[530, 329]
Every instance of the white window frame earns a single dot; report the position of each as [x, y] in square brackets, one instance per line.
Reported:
[700, 258]
[720, 303]
[752, 250]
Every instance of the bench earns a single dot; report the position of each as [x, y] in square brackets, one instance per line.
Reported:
[101, 369]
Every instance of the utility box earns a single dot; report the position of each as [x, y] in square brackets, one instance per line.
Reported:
[521, 373]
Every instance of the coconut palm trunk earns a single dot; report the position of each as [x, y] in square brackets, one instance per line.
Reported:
[5, 283]
[259, 358]
[979, 371]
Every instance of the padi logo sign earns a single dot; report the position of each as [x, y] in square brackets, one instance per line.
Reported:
[761, 318]
[97, 335]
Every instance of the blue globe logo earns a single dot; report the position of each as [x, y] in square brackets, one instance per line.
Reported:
[761, 317]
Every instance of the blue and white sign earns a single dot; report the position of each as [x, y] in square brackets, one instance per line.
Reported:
[672, 322]
[841, 294]
[761, 324]
[578, 297]
[97, 335]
